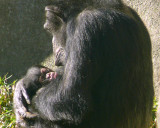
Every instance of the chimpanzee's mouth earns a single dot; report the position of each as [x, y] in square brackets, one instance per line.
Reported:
[59, 52]
[59, 56]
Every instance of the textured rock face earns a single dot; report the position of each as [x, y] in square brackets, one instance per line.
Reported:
[149, 11]
[23, 41]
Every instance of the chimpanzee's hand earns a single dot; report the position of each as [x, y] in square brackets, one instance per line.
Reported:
[21, 101]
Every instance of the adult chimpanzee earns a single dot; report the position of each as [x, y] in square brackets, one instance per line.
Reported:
[107, 75]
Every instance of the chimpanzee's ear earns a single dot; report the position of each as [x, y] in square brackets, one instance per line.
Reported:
[55, 10]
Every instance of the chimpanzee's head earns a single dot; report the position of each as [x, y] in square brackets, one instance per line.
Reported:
[55, 24]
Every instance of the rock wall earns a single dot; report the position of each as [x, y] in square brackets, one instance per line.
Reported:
[23, 41]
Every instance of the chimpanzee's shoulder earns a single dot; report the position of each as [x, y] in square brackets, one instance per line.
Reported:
[90, 15]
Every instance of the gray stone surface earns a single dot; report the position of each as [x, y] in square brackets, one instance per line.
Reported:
[23, 41]
[149, 11]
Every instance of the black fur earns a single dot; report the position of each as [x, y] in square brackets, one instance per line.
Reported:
[107, 79]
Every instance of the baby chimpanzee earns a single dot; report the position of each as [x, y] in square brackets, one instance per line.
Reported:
[36, 78]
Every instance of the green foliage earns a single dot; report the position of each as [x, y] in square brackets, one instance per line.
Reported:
[154, 110]
[7, 117]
